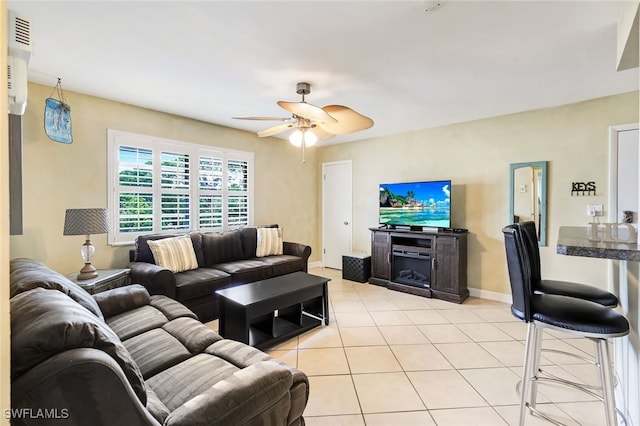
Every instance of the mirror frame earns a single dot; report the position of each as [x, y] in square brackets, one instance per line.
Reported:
[543, 196]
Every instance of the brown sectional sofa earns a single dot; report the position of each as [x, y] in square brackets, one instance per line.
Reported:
[224, 259]
[122, 357]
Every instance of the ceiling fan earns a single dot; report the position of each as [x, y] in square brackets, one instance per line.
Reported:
[312, 123]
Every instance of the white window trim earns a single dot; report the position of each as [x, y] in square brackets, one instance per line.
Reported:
[115, 138]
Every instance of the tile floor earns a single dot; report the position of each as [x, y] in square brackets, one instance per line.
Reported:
[390, 358]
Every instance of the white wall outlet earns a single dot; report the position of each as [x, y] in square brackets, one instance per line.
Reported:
[594, 209]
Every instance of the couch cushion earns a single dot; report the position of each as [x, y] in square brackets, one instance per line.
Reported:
[249, 238]
[136, 321]
[182, 382]
[155, 351]
[122, 299]
[221, 247]
[269, 242]
[27, 274]
[256, 395]
[46, 322]
[194, 335]
[200, 282]
[283, 264]
[175, 254]
[171, 308]
[246, 271]
[143, 252]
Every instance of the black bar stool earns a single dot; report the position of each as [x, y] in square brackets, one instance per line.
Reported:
[568, 314]
[529, 236]
[560, 288]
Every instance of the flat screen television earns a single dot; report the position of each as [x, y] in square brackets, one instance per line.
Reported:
[416, 204]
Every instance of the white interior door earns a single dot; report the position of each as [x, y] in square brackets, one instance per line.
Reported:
[624, 195]
[336, 212]
[624, 172]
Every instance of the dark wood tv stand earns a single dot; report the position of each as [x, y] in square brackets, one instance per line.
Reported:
[425, 263]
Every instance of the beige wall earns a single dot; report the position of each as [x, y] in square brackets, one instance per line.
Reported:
[58, 176]
[476, 156]
[5, 342]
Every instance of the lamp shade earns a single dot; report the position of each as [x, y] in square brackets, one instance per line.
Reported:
[86, 221]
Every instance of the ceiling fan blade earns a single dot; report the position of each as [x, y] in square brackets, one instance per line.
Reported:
[321, 133]
[262, 118]
[274, 130]
[308, 111]
[349, 121]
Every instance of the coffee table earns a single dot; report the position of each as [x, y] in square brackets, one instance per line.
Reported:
[270, 311]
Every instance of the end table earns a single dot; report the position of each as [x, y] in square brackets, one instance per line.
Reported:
[106, 280]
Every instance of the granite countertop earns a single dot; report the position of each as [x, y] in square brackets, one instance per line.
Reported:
[574, 241]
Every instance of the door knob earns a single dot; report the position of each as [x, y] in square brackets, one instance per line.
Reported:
[346, 222]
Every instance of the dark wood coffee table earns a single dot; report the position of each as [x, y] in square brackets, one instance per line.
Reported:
[248, 312]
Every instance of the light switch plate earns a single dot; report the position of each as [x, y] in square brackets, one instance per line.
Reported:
[594, 209]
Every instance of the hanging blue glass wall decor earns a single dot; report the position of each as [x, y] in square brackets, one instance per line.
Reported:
[57, 117]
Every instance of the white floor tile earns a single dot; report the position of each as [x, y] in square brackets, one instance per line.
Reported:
[445, 389]
[392, 358]
[386, 392]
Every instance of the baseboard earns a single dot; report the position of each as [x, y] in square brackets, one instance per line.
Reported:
[312, 265]
[490, 295]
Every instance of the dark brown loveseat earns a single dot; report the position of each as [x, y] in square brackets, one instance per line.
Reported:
[123, 357]
[224, 259]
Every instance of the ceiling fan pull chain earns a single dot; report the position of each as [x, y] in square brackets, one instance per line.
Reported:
[303, 148]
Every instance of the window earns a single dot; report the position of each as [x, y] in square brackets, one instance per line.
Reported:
[158, 185]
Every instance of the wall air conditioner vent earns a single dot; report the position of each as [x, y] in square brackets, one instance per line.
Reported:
[9, 78]
[19, 36]
[22, 31]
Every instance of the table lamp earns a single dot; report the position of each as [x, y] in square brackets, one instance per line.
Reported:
[86, 222]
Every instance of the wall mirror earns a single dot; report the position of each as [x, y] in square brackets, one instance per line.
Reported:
[528, 196]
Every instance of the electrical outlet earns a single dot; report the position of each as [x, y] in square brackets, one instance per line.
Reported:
[594, 210]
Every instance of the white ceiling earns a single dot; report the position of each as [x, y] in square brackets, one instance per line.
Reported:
[405, 68]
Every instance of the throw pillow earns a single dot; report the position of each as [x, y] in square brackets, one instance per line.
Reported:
[175, 254]
[269, 242]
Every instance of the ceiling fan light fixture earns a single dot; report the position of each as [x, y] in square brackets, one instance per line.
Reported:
[296, 138]
[310, 138]
[300, 136]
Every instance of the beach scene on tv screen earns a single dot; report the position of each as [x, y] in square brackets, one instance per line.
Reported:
[416, 204]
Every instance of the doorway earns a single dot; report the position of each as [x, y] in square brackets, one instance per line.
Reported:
[336, 212]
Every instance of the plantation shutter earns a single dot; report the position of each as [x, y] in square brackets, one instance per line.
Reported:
[175, 209]
[160, 185]
[135, 189]
[238, 198]
[210, 203]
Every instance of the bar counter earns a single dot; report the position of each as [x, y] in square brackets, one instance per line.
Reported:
[574, 241]
[577, 241]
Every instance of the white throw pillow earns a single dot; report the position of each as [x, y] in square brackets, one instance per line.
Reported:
[175, 253]
[269, 242]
